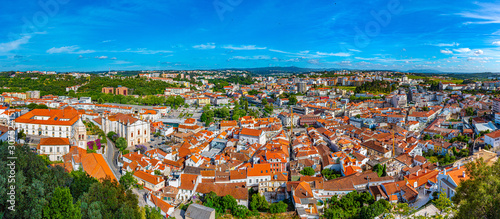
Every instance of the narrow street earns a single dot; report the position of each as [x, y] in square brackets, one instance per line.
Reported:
[111, 158]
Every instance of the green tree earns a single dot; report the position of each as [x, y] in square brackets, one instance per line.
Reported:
[427, 137]
[292, 100]
[157, 172]
[114, 201]
[269, 108]
[259, 203]
[121, 143]
[81, 183]
[469, 111]
[152, 213]
[442, 202]
[330, 174]
[110, 135]
[308, 171]
[21, 134]
[128, 180]
[264, 101]
[278, 207]
[479, 197]
[35, 182]
[240, 211]
[379, 169]
[61, 205]
[228, 202]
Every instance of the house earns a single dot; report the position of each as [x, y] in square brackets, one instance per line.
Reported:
[237, 190]
[165, 208]
[151, 182]
[449, 180]
[304, 201]
[275, 188]
[92, 163]
[492, 138]
[252, 136]
[54, 148]
[258, 173]
[188, 185]
[197, 211]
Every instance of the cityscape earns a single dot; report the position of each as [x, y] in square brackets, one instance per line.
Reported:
[237, 109]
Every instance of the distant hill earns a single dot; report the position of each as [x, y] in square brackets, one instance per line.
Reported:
[425, 71]
[279, 70]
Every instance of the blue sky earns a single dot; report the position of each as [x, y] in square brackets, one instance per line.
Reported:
[74, 35]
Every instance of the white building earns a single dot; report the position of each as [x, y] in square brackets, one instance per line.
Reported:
[252, 136]
[258, 173]
[64, 123]
[54, 148]
[134, 130]
[493, 138]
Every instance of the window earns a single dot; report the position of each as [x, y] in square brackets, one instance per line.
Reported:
[131, 135]
[138, 132]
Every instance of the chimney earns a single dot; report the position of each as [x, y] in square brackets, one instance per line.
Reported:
[417, 173]
[463, 174]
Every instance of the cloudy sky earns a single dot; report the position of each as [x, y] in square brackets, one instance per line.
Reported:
[75, 35]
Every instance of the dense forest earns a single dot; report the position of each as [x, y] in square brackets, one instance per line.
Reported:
[376, 87]
[137, 86]
[46, 84]
[42, 191]
[220, 83]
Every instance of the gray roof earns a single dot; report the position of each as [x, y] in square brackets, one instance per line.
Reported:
[196, 211]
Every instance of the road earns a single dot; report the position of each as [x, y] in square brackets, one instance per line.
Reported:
[112, 158]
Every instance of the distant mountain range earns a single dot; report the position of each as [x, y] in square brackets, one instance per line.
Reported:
[278, 70]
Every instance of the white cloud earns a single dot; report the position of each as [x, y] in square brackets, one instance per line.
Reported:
[462, 50]
[313, 61]
[243, 47]
[13, 45]
[341, 54]
[68, 49]
[446, 44]
[120, 62]
[487, 14]
[259, 57]
[143, 51]
[205, 46]
[496, 43]
[446, 51]
[479, 59]
[478, 52]
[101, 57]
